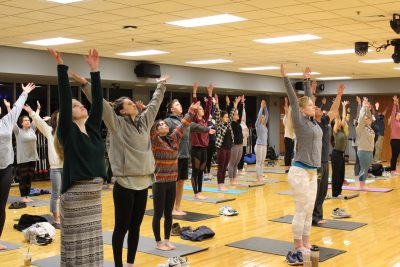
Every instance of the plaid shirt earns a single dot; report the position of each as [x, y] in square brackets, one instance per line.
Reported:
[223, 127]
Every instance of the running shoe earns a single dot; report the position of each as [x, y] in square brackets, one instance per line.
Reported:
[339, 213]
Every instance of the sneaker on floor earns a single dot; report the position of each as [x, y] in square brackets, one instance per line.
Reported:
[292, 259]
[176, 229]
[299, 256]
[228, 211]
[183, 261]
[340, 213]
[171, 262]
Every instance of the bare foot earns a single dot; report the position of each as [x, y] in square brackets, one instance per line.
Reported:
[169, 244]
[26, 199]
[302, 248]
[200, 196]
[221, 187]
[234, 182]
[260, 178]
[29, 199]
[178, 212]
[2, 247]
[322, 222]
[161, 246]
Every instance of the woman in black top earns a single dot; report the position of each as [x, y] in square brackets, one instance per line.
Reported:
[237, 148]
[83, 153]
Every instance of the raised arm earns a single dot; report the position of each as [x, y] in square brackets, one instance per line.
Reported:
[336, 103]
[244, 110]
[364, 112]
[260, 112]
[344, 112]
[11, 117]
[395, 109]
[235, 104]
[209, 103]
[292, 98]
[7, 105]
[43, 127]
[177, 134]
[217, 110]
[307, 87]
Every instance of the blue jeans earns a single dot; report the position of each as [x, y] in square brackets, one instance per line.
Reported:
[365, 161]
[55, 178]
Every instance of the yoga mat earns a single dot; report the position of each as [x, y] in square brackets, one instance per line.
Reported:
[268, 170]
[331, 224]
[34, 203]
[286, 192]
[215, 190]
[369, 189]
[10, 246]
[344, 196]
[240, 184]
[148, 245]
[190, 216]
[55, 261]
[278, 247]
[266, 181]
[214, 200]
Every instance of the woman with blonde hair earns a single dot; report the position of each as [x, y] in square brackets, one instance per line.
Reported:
[288, 135]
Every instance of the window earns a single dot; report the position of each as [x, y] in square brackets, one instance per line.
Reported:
[6, 90]
[54, 103]
[116, 93]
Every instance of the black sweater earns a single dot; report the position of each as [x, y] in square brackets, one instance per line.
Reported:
[83, 154]
[237, 133]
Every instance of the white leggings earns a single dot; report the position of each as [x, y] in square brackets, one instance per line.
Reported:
[261, 153]
[304, 186]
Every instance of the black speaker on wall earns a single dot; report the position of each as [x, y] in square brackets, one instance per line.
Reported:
[148, 70]
[299, 86]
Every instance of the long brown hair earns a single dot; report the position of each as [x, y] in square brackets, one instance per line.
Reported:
[57, 145]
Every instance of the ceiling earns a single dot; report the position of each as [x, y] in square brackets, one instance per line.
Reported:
[99, 23]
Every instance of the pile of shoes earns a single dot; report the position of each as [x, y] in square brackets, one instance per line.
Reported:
[228, 211]
[175, 262]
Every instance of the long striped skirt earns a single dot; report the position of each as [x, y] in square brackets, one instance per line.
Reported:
[81, 234]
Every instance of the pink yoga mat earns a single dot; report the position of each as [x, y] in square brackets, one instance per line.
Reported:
[369, 189]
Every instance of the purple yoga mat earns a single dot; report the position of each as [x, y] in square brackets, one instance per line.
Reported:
[369, 189]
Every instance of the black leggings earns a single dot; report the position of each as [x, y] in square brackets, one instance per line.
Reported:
[241, 162]
[338, 172]
[210, 154]
[5, 184]
[199, 160]
[163, 201]
[25, 173]
[129, 206]
[395, 144]
[289, 148]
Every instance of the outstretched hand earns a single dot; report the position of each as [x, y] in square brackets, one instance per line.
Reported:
[163, 79]
[195, 106]
[92, 59]
[307, 73]
[283, 72]
[216, 99]
[27, 108]
[140, 105]
[195, 86]
[77, 78]
[340, 89]
[314, 87]
[28, 88]
[56, 55]
[237, 101]
[395, 99]
[358, 99]
[210, 89]
[6, 103]
[345, 103]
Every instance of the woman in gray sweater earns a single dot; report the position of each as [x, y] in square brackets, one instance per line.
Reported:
[7, 153]
[303, 173]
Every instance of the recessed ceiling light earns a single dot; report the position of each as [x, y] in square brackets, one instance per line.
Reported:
[374, 61]
[206, 21]
[338, 52]
[334, 78]
[288, 39]
[209, 61]
[142, 53]
[261, 68]
[64, 1]
[53, 41]
[300, 73]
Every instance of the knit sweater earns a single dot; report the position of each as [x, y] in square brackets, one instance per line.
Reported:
[200, 139]
[308, 133]
[6, 128]
[46, 130]
[165, 151]
[83, 153]
[262, 130]
[394, 124]
[365, 134]
[26, 144]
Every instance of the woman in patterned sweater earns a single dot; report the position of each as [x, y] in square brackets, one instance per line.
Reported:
[165, 148]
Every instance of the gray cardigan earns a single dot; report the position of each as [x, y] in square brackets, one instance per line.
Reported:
[365, 134]
[308, 133]
[6, 127]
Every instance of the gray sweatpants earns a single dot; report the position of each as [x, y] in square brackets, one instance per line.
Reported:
[236, 155]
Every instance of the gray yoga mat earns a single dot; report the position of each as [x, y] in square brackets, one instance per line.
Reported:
[239, 185]
[148, 245]
[190, 216]
[10, 246]
[331, 224]
[266, 181]
[286, 192]
[35, 203]
[268, 170]
[55, 261]
[278, 247]
[344, 196]
[214, 200]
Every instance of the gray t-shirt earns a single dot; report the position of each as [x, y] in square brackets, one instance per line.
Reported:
[325, 126]
[26, 144]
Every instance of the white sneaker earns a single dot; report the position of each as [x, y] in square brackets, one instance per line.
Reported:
[228, 211]
[175, 262]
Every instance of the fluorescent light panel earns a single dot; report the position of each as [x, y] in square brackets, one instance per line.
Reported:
[209, 61]
[334, 78]
[300, 73]
[288, 39]
[206, 21]
[53, 41]
[64, 1]
[142, 53]
[261, 68]
[375, 61]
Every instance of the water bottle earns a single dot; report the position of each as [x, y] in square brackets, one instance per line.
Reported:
[314, 256]
[306, 258]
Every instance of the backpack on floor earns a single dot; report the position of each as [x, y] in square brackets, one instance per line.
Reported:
[40, 234]
[271, 154]
[198, 234]
[250, 158]
[376, 169]
[27, 220]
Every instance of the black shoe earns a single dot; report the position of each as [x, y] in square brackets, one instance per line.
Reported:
[299, 256]
[292, 259]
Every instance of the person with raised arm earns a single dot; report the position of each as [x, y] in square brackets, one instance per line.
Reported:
[302, 174]
[245, 133]
[395, 136]
[200, 142]
[225, 139]
[380, 132]
[83, 171]
[262, 139]
[288, 135]
[56, 163]
[7, 123]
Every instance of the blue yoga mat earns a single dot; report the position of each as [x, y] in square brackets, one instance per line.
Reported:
[215, 190]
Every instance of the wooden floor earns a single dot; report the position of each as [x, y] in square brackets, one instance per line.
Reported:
[377, 244]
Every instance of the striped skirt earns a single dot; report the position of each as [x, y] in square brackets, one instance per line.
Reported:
[81, 234]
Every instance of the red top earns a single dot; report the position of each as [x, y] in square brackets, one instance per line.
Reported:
[394, 124]
[201, 139]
